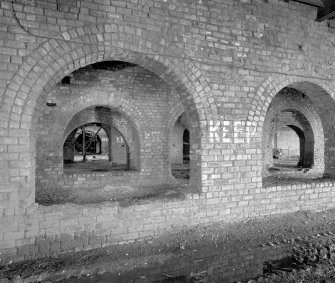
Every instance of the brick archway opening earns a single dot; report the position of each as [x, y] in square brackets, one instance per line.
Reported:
[181, 136]
[45, 66]
[294, 110]
[123, 138]
[304, 161]
[121, 87]
[96, 147]
[289, 146]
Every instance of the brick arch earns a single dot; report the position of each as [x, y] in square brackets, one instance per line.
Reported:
[45, 66]
[303, 161]
[304, 130]
[128, 110]
[292, 124]
[119, 122]
[298, 130]
[174, 113]
[55, 59]
[68, 144]
[172, 116]
[309, 120]
[51, 61]
[276, 82]
[320, 92]
[79, 119]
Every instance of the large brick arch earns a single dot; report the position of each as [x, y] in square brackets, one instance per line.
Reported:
[276, 82]
[296, 127]
[54, 59]
[308, 120]
[321, 93]
[83, 46]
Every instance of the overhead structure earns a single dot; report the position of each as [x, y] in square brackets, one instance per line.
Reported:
[327, 12]
[326, 8]
[316, 3]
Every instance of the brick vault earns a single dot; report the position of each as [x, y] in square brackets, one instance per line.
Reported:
[132, 77]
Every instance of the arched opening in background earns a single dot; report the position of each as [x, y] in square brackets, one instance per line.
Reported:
[131, 102]
[95, 147]
[288, 147]
[292, 135]
[87, 143]
[180, 150]
[292, 141]
[303, 162]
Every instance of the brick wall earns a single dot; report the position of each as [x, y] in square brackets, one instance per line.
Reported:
[71, 227]
[223, 63]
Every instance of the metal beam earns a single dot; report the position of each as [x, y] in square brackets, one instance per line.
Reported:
[84, 143]
[78, 145]
[327, 12]
[93, 138]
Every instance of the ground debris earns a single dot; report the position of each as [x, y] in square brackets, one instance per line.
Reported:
[191, 244]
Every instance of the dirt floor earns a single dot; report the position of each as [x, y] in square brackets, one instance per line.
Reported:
[319, 273]
[134, 262]
[129, 194]
[126, 194]
[286, 172]
[92, 165]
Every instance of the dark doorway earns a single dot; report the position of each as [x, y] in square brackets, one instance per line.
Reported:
[186, 146]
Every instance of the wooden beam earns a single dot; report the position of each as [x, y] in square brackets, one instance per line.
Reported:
[327, 12]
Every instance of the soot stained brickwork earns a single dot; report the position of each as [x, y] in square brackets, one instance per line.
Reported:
[220, 62]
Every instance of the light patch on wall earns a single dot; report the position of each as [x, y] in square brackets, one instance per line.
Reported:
[119, 139]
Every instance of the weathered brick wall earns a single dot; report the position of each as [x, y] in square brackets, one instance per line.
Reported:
[226, 60]
[71, 227]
